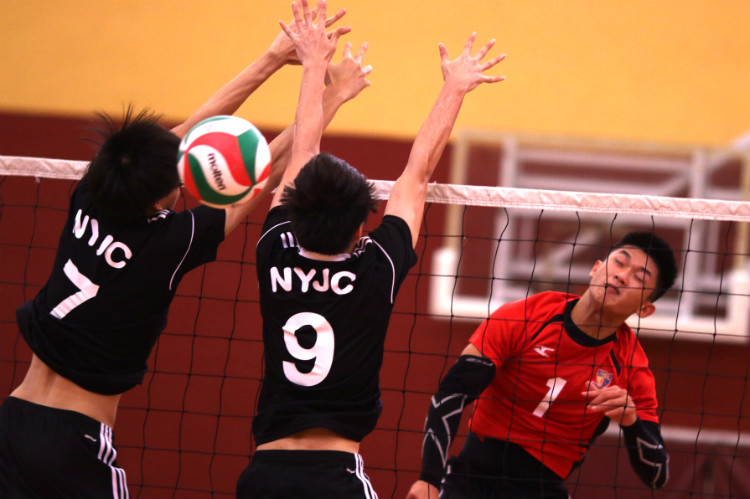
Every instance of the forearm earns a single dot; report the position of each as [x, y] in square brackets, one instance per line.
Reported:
[465, 381]
[408, 194]
[307, 129]
[281, 146]
[434, 134]
[308, 122]
[647, 454]
[232, 95]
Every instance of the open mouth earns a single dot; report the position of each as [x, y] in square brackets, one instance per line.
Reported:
[608, 288]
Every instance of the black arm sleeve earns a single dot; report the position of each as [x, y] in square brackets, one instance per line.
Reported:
[648, 457]
[465, 381]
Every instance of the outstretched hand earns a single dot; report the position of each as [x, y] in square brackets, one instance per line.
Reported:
[308, 34]
[283, 47]
[467, 71]
[613, 401]
[349, 77]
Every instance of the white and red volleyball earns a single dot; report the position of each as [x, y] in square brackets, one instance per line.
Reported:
[224, 160]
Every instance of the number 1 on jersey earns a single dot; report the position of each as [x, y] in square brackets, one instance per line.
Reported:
[555, 387]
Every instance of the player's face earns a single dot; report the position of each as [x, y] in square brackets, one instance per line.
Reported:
[624, 282]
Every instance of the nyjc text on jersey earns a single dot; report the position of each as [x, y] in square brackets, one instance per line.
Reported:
[98, 316]
[324, 326]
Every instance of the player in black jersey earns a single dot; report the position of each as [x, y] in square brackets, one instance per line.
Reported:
[121, 255]
[326, 292]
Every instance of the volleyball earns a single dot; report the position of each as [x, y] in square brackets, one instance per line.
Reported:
[224, 160]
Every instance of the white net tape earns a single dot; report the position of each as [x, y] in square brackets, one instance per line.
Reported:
[701, 209]
[676, 316]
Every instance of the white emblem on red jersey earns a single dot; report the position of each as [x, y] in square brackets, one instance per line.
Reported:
[542, 350]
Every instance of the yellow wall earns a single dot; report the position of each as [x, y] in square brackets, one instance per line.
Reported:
[649, 70]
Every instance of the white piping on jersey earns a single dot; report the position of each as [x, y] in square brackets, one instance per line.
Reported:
[393, 267]
[107, 455]
[323, 258]
[360, 472]
[269, 230]
[190, 244]
[159, 214]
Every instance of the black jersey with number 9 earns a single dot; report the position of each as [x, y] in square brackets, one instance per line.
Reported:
[324, 326]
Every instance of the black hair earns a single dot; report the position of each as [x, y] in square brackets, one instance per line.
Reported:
[136, 166]
[659, 252]
[327, 204]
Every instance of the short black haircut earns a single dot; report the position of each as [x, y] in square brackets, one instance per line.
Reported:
[136, 166]
[658, 251]
[327, 204]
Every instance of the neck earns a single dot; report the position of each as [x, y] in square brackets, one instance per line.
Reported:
[591, 318]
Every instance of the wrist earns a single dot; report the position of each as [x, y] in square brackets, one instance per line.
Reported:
[628, 422]
[271, 61]
[453, 90]
[319, 65]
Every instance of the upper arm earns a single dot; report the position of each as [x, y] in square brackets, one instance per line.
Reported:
[642, 385]
[642, 389]
[407, 201]
[472, 350]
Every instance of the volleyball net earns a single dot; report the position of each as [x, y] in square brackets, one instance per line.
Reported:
[185, 432]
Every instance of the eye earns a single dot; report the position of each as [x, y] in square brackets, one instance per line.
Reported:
[638, 278]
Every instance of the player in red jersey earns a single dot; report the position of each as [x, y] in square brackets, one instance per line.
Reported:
[549, 373]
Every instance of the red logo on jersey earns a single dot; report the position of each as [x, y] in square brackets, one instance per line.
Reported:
[603, 378]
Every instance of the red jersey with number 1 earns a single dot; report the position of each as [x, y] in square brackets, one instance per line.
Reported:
[544, 362]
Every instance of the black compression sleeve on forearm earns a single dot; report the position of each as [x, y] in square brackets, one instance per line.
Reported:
[463, 383]
[648, 457]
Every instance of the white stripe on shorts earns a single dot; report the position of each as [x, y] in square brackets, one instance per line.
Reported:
[107, 455]
[369, 491]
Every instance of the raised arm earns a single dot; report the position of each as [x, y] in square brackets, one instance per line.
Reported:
[347, 79]
[232, 95]
[314, 49]
[461, 76]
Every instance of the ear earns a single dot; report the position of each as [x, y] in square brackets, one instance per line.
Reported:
[647, 309]
[596, 266]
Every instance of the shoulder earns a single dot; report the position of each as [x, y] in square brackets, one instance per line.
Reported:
[276, 217]
[627, 346]
[391, 238]
[393, 228]
[198, 217]
[277, 221]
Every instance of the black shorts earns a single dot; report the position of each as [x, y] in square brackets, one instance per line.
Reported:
[47, 452]
[493, 469]
[305, 474]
